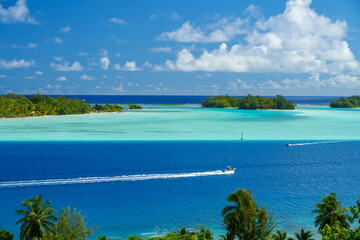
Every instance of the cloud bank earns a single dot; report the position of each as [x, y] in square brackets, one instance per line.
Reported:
[296, 41]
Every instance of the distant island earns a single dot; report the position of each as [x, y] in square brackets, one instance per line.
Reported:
[350, 102]
[14, 105]
[248, 102]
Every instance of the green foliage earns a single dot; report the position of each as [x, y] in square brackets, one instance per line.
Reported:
[244, 219]
[134, 106]
[101, 238]
[107, 108]
[338, 231]
[350, 102]
[280, 235]
[69, 226]
[329, 212]
[248, 102]
[37, 218]
[304, 235]
[6, 235]
[13, 105]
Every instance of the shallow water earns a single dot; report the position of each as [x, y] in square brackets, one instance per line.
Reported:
[190, 122]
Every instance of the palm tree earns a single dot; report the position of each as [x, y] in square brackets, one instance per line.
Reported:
[329, 211]
[206, 232]
[244, 219]
[304, 235]
[37, 218]
[280, 236]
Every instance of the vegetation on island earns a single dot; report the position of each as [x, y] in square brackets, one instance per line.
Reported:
[248, 102]
[134, 106]
[14, 105]
[349, 102]
[243, 219]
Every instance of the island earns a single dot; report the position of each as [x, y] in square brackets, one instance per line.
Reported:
[248, 102]
[134, 106]
[349, 102]
[15, 105]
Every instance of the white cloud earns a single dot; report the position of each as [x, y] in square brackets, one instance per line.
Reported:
[32, 45]
[53, 86]
[16, 64]
[17, 13]
[129, 66]
[119, 88]
[58, 40]
[117, 55]
[86, 77]
[59, 58]
[65, 29]
[161, 50]
[39, 73]
[40, 91]
[82, 54]
[29, 77]
[118, 21]
[3, 76]
[296, 41]
[65, 67]
[104, 62]
[61, 78]
[222, 31]
[204, 75]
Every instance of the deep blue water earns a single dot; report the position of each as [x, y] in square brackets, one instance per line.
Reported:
[175, 99]
[289, 180]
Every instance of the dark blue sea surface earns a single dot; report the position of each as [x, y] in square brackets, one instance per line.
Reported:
[178, 99]
[289, 180]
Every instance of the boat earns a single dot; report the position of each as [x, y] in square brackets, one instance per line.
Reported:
[229, 170]
[288, 144]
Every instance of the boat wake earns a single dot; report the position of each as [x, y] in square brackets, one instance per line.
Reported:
[310, 143]
[123, 178]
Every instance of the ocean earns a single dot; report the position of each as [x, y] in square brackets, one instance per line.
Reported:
[130, 186]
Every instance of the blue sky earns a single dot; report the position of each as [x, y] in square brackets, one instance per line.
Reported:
[294, 47]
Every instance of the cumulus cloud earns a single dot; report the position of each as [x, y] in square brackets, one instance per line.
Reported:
[86, 77]
[129, 66]
[61, 78]
[17, 13]
[40, 91]
[161, 50]
[119, 88]
[296, 41]
[82, 54]
[4, 64]
[65, 29]
[222, 31]
[104, 62]
[118, 21]
[65, 66]
[32, 45]
[58, 40]
[39, 73]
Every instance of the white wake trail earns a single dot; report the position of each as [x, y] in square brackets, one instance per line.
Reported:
[311, 143]
[123, 178]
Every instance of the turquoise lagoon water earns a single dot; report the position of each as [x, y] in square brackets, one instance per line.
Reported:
[122, 195]
[190, 122]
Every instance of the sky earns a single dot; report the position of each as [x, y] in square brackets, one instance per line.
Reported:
[180, 47]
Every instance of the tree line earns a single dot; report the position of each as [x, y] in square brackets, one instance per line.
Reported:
[243, 219]
[349, 102]
[15, 105]
[248, 102]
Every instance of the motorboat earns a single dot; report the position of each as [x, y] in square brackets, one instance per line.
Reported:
[288, 144]
[229, 170]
